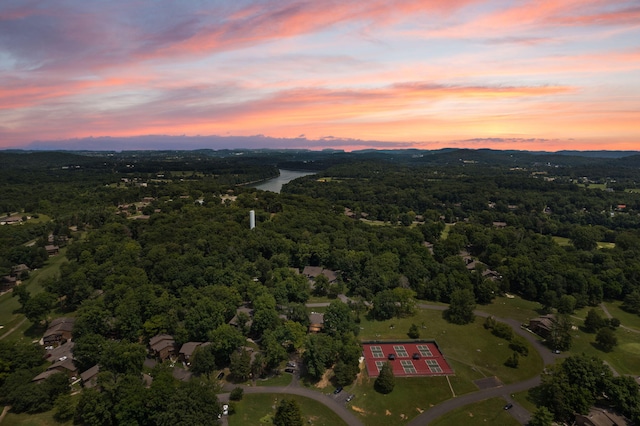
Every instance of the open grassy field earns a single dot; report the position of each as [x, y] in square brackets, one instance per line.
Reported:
[40, 419]
[625, 358]
[516, 308]
[563, 241]
[410, 397]
[9, 306]
[626, 318]
[259, 409]
[470, 344]
[487, 412]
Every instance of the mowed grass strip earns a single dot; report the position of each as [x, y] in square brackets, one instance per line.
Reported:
[257, 409]
[469, 344]
[516, 308]
[624, 358]
[487, 412]
[40, 419]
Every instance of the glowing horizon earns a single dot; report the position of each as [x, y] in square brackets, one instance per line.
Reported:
[530, 75]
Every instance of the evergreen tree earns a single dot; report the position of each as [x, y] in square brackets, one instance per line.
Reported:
[288, 414]
[414, 332]
[386, 381]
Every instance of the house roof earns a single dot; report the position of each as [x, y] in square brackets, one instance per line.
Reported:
[156, 340]
[316, 318]
[189, 348]
[45, 375]
[600, 417]
[312, 271]
[64, 364]
[90, 373]
[60, 325]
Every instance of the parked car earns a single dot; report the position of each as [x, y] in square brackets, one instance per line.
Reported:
[289, 370]
[225, 410]
[508, 406]
[350, 397]
[338, 390]
[221, 375]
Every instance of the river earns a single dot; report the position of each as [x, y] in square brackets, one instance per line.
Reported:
[275, 184]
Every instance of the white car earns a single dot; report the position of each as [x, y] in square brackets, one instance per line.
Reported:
[225, 410]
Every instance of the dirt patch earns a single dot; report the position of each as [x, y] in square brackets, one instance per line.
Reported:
[419, 410]
[387, 413]
[403, 417]
[361, 375]
[324, 381]
[358, 410]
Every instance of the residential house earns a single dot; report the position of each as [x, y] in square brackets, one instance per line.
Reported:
[542, 325]
[316, 322]
[59, 331]
[234, 321]
[187, 350]
[44, 376]
[90, 377]
[8, 282]
[162, 346]
[17, 270]
[64, 365]
[600, 417]
[52, 250]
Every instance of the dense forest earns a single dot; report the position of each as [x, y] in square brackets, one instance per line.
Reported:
[160, 243]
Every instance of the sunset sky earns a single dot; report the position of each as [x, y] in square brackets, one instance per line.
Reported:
[350, 74]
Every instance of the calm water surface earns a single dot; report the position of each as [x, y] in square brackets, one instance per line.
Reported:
[275, 184]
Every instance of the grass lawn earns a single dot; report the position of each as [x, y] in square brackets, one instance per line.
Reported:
[283, 379]
[488, 412]
[516, 308]
[563, 241]
[523, 399]
[40, 419]
[9, 317]
[626, 318]
[470, 345]
[259, 409]
[625, 358]
[410, 397]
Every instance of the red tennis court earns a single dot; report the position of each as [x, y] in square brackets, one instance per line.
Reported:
[416, 358]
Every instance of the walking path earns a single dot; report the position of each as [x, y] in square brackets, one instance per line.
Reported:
[14, 328]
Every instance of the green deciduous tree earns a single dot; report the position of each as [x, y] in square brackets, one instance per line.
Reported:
[606, 339]
[593, 321]
[541, 417]
[461, 308]
[240, 366]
